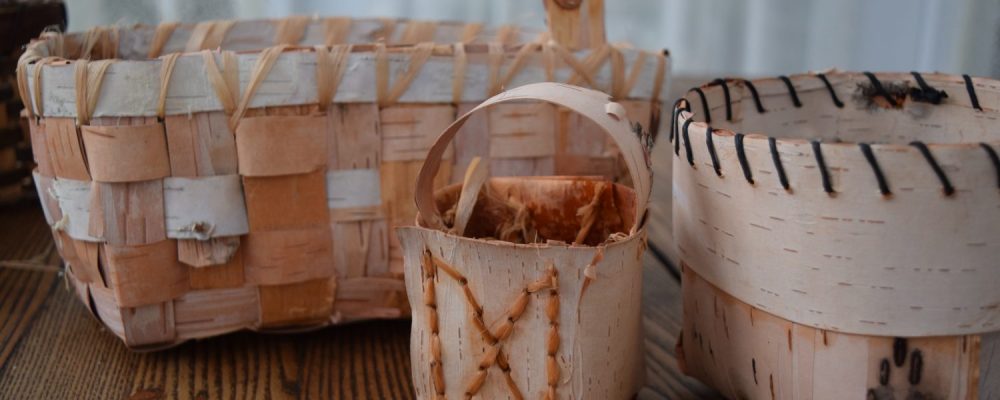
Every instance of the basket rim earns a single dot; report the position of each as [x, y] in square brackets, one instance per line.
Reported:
[685, 112]
[630, 73]
[683, 117]
[561, 245]
[578, 178]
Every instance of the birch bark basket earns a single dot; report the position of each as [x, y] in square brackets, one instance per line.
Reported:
[549, 308]
[839, 235]
[261, 165]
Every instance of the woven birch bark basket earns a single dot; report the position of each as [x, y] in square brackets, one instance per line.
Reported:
[206, 178]
[530, 286]
[838, 235]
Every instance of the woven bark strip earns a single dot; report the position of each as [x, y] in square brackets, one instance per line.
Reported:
[528, 314]
[271, 159]
[839, 210]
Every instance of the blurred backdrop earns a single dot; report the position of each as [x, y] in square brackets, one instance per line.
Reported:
[706, 37]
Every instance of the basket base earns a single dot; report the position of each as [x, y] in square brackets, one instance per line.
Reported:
[745, 352]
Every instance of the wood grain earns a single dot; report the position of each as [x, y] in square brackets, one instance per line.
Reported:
[21, 294]
[24, 284]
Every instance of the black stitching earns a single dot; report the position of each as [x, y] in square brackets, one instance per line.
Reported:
[899, 351]
[704, 103]
[687, 143]
[881, 90]
[673, 118]
[791, 91]
[972, 92]
[780, 169]
[684, 129]
[829, 88]
[883, 186]
[756, 96]
[916, 367]
[711, 151]
[926, 93]
[883, 372]
[821, 163]
[945, 182]
[993, 157]
[725, 93]
[676, 114]
[741, 155]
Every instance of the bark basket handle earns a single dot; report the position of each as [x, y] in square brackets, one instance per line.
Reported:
[576, 24]
[595, 106]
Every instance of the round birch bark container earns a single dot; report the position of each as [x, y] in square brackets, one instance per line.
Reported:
[530, 286]
[838, 235]
[229, 175]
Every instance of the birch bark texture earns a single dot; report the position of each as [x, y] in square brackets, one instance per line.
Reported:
[546, 318]
[261, 165]
[839, 210]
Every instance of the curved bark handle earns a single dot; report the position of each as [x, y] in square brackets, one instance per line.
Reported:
[593, 105]
[576, 24]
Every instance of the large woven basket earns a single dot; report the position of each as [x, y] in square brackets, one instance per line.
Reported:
[530, 286]
[839, 235]
[207, 191]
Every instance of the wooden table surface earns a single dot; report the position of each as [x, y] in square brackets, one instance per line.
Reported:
[51, 347]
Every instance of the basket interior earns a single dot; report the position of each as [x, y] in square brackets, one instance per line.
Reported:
[543, 209]
[867, 113]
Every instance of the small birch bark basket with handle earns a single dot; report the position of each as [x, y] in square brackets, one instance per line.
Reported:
[839, 235]
[229, 175]
[531, 288]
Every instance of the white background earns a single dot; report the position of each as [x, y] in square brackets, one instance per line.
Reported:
[705, 37]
